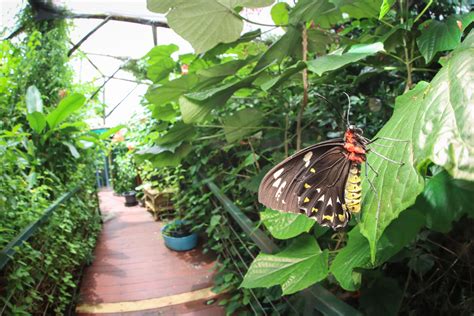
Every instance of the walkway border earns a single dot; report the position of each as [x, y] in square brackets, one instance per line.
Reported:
[152, 303]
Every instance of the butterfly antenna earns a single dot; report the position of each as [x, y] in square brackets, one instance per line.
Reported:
[331, 104]
[348, 109]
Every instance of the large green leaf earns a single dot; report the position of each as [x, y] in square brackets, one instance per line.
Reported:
[242, 123]
[225, 69]
[438, 36]
[159, 71]
[297, 267]
[359, 9]
[436, 120]
[206, 23]
[178, 133]
[224, 91]
[160, 52]
[356, 254]
[285, 225]
[65, 108]
[161, 94]
[445, 200]
[160, 63]
[164, 112]
[195, 111]
[72, 149]
[319, 41]
[164, 155]
[335, 61]
[172, 90]
[280, 49]
[385, 7]
[37, 121]
[33, 100]
[34, 108]
[196, 106]
[279, 13]
[160, 6]
[321, 12]
[158, 149]
[273, 81]
[224, 47]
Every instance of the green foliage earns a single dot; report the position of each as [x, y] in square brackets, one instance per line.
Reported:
[243, 123]
[205, 23]
[338, 59]
[279, 13]
[160, 63]
[433, 119]
[37, 121]
[446, 200]
[287, 225]
[177, 229]
[295, 268]
[45, 151]
[243, 102]
[65, 108]
[124, 172]
[438, 36]
[385, 7]
[357, 255]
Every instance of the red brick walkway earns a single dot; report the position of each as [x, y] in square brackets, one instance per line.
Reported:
[134, 273]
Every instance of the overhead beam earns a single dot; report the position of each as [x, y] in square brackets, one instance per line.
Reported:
[115, 17]
[46, 11]
[78, 44]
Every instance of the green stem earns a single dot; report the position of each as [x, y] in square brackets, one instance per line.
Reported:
[409, 80]
[395, 56]
[247, 20]
[413, 59]
[386, 23]
[423, 11]
[257, 23]
[211, 136]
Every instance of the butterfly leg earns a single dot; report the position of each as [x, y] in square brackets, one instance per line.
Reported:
[371, 168]
[372, 187]
[368, 179]
[380, 145]
[386, 138]
[401, 163]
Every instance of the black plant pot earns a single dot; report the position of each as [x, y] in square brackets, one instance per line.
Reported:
[130, 198]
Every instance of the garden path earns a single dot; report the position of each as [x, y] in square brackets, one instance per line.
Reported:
[134, 273]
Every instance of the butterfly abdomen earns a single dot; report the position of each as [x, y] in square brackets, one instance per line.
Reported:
[353, 189]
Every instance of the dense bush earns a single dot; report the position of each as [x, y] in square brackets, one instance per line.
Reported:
[124, 171]
[46, 150]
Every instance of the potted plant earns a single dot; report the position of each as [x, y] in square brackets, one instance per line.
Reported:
[130, 198]
[178, 236]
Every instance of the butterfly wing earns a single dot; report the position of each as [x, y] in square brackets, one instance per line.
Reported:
[322, 193]
[312, 181]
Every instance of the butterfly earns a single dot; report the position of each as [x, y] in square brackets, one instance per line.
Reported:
[322, 181]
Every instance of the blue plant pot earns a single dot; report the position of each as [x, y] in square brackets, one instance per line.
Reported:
[180, 243]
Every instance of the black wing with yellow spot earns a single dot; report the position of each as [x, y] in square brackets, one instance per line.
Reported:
[312, 182]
